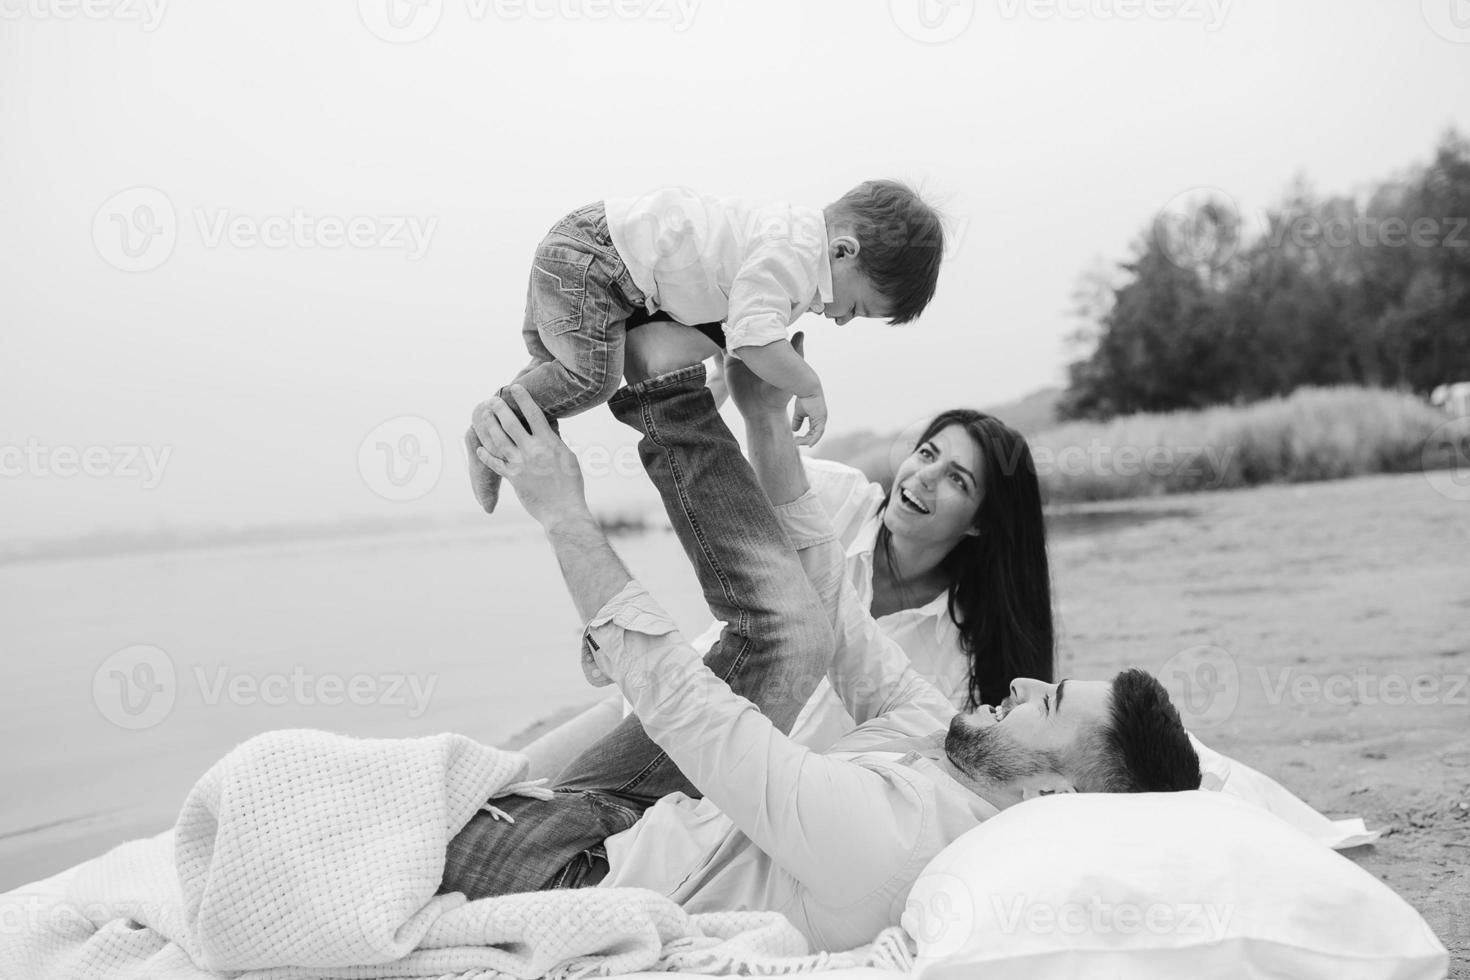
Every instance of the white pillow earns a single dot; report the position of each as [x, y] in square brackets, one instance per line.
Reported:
[1222, 773]
[1158, 885]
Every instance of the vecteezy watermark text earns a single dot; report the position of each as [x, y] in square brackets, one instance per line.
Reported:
[1364, 687]
[1205, 682]
[410, 234]
[1095, 917]
[1310, 231]
[311, 689]
[148, 14]
[124, 462]
[137, 687]
[1211, 13]
[137, 229]
[1100, 459]
[410, 21]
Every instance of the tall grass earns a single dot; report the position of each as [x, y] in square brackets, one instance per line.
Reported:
[1312, 434]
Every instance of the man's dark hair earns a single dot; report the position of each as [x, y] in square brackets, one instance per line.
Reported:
[901, 241]
[1143, 745]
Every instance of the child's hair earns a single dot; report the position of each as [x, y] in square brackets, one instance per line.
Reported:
[901, 240]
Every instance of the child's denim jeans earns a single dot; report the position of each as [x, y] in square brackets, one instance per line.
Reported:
[579, 298]
[580, 303]
[774, 651]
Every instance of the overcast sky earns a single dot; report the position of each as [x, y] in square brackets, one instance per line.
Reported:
[238, 238]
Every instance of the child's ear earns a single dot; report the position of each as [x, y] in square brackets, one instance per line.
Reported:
[844, 246]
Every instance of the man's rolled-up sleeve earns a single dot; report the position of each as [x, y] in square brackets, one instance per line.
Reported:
[796, 805]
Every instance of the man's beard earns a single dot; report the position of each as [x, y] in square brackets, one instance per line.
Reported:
[992, 754]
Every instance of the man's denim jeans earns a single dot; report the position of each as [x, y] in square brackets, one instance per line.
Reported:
[773, 651]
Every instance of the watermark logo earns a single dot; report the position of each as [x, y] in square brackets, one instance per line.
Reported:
[932, 21]
[402, 458]
[147, 14]
[1204, 683]
[136, 687]
[135, 230]
[400, 21]
[1199, 229]
[1450, 19]
[939, 914]
[1445, 459]
[668, 229]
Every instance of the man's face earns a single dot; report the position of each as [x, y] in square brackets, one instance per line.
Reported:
[1030, 743]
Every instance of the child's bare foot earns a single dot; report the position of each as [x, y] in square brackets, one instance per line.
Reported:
[483, 480]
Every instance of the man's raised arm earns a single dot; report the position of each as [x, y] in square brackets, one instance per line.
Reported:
[796, 805]
[869, 670]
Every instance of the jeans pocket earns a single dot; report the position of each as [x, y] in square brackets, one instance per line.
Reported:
[559, 288]
[615, 817]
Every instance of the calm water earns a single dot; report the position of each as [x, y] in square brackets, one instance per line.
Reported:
[457, 631]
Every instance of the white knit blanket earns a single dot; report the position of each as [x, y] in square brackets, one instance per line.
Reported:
[305, 855]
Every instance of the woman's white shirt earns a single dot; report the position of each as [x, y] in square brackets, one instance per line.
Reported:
[926, 633]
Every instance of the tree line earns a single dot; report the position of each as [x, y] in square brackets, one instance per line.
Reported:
[1370, 289]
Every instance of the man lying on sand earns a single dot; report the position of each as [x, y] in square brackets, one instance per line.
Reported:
[835, 841]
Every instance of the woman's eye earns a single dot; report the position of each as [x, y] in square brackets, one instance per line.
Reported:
[959, 481]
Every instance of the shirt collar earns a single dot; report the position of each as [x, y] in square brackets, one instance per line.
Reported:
[824, 272]
[866, 540]
[865, 544]
[926, 761]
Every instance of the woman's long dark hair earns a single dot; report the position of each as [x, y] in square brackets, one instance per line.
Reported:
[999, 579]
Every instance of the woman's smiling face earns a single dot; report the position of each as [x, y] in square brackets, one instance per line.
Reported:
[937, 490]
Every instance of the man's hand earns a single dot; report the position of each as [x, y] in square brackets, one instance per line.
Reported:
[546, 476]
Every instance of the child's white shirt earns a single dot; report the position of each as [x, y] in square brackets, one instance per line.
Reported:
[706, 259]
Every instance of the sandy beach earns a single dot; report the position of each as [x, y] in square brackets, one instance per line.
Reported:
[1344, 609]
[1317, 632]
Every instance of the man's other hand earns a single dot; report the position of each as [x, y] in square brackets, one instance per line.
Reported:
[545, 474]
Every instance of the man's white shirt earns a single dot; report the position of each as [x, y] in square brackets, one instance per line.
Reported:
[833, 840]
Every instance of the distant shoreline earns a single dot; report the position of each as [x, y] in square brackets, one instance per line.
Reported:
[112, 544]
[1064, 520]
